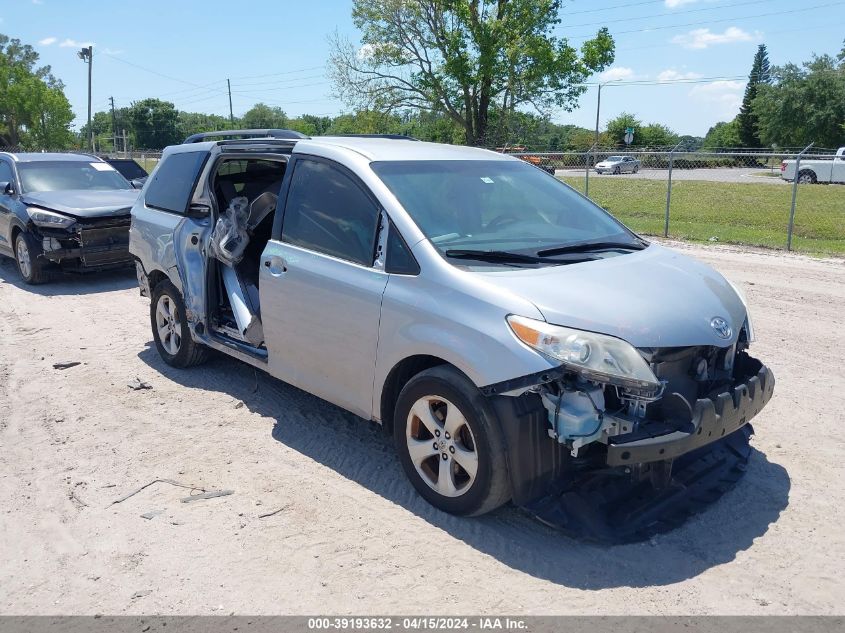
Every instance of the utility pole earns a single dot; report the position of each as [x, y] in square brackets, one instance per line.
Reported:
[113, 124]
[87, 55]
[231, 116]
[598, 107]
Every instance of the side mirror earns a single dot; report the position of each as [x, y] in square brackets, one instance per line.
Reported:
[137, 183]
[198, 211]
[7, 188]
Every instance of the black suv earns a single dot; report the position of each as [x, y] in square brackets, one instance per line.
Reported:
[63, 212]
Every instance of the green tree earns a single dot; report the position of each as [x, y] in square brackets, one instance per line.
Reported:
[803, 104]
[722, 135]
[366, 122]
[34, 111]
[747, 118]
[310, 124]
[261, 116]
[691, 143]
[154, 123]
[464, 59]
[194, 122]
[615, 129]
[657, 135]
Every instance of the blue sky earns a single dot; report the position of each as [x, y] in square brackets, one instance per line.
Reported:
[275, 51]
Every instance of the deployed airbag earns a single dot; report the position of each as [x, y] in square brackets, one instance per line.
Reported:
[229, 238]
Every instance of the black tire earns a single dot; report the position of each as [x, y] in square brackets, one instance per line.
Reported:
[188, 352]
[616, 171]
[807, 177]
[491, 486]
[636, 168]
[36, 273]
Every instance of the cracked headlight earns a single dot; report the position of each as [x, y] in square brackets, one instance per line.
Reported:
[596, 356]
[49, 219]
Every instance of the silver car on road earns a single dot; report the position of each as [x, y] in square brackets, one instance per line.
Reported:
[517, 340]
[618, 165]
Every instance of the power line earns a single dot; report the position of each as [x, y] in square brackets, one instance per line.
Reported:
[287, 72]
[154, 72]
[624, 5]
[719, 21]
[660, 82]
[665, 14]
[281, 81]
[319, 83]
[778, 32]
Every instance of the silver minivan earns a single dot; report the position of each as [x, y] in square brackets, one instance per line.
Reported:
[518, 341]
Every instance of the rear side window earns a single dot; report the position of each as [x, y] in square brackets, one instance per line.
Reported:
[174, 181]
[328, 212]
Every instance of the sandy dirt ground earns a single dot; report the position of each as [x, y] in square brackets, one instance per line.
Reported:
[349, 535]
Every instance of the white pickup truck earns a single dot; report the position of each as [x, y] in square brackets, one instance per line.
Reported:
[827, 170]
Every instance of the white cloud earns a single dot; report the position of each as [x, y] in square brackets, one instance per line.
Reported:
[619, 72]
[672, 4]
[702, 38]
[725, 96]
[47, 41]
[111, 51]
[670, 74]
[69, 43]
[37, 1]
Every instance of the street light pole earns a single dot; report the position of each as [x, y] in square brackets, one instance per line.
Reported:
[598, 107]
[87, 55]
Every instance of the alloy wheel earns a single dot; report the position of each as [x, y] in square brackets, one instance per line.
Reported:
[168, 325]
[441, 446]
[24, 259]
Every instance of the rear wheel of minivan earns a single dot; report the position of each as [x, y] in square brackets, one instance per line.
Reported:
[170, 328]
[450, 443]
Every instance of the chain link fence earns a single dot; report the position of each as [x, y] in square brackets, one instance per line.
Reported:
[147, 159]
[739, 197]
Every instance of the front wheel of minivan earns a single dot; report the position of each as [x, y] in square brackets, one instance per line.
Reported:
[171, 332]
[450, 443]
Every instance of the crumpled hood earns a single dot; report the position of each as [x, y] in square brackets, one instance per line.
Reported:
[84, 203]
[651, 298]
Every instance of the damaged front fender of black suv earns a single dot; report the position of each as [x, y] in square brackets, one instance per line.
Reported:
[87, 244]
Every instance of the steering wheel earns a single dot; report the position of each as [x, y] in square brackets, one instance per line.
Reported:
[502, 220]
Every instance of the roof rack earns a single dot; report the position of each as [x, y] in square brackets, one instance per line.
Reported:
[395, 137]
[244, 134]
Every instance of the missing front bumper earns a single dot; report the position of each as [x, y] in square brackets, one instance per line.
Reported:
[663, 480]
[712, 419]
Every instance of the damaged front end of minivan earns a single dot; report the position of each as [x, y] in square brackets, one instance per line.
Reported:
[618, 443]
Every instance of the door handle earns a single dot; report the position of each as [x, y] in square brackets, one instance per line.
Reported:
[276, 265]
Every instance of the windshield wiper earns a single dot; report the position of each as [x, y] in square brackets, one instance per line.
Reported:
[591, 247]
[509, 257]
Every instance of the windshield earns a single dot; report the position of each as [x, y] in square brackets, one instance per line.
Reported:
[59, 175]
[496, 205]
[614, 159]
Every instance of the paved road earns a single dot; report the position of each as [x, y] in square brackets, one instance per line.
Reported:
[743, 175]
